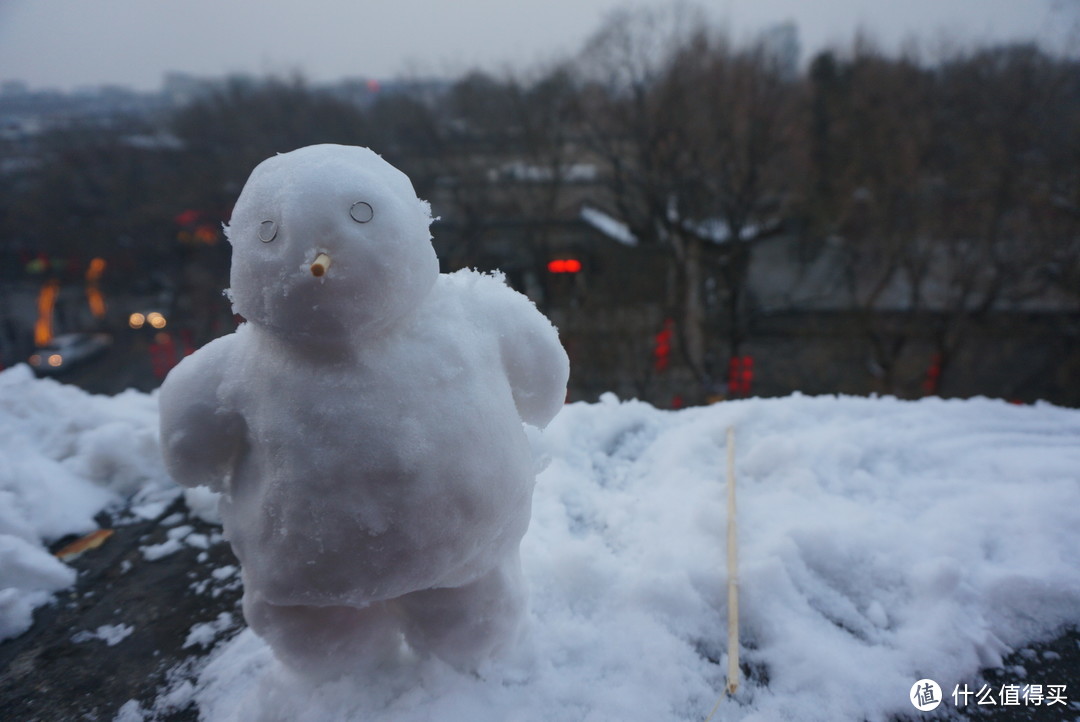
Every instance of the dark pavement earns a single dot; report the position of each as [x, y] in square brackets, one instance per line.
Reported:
[45, 676]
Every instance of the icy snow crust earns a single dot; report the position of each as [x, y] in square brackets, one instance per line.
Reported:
[365, 427]
[882, 542]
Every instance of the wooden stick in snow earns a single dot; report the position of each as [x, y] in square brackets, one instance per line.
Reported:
[732, 569]
[733, 577]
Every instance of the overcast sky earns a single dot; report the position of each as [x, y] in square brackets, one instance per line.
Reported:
[65, 44]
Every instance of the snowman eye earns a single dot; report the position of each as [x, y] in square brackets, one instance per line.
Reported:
[267, 231]
[361, 212]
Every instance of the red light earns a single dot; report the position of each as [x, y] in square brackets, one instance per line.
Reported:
[932, 382]
[662, 346]
[564, 265]
[740, 375]
[188, 217]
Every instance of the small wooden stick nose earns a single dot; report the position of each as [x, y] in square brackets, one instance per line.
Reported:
[321, 265]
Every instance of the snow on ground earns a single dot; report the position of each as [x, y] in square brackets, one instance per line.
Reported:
[111, 634]
[881, 542]
[64, 456]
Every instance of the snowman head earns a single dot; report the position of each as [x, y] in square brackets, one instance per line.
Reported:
[329, 239]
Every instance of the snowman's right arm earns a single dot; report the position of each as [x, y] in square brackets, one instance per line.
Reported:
[534, 360]
[200, 439]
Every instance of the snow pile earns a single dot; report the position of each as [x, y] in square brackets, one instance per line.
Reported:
[205, 633]
[28, 577]
[881, 542]
[64, 456]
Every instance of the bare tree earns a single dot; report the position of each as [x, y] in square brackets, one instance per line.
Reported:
[744, 133]
[999, 137]
[694, 135]
[873, 141]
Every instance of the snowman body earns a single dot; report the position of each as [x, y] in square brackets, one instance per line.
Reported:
[365, 425]
[410, 478]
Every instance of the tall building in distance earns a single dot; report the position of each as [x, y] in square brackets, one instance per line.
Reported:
[781, 43]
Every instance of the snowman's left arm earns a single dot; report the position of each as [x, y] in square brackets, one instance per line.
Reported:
[535, 361]
[200, 440]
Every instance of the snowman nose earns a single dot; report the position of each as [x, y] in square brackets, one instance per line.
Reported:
[321, 265]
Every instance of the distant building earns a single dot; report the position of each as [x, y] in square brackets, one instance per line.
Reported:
[781, 43]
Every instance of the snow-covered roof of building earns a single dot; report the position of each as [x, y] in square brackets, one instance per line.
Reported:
[608, 225]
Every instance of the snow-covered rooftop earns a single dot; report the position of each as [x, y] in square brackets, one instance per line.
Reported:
[609, 226]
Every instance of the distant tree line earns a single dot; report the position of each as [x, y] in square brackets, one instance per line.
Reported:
[950, 183]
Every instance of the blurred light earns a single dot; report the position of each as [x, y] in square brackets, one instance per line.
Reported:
[740, 375]
[564, 265]
[55, 360]
[136, 320]
[46, 300]
[662, 346]
[188, 217]
[96, 301]
[35, 359]
[206, 234]
[97, 267]
[93, 293]
[155, 319]
[162, 338]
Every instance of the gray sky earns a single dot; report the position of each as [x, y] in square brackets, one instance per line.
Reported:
[65, 44]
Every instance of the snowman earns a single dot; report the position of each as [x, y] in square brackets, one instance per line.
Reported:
[364, 426]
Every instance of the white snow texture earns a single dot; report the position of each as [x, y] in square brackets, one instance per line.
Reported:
[365, 426]
[64, 456]
[881, 542]
[111, 634]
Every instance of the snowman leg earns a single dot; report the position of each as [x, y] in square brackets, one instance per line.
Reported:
[323, 643]
[465, 625]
